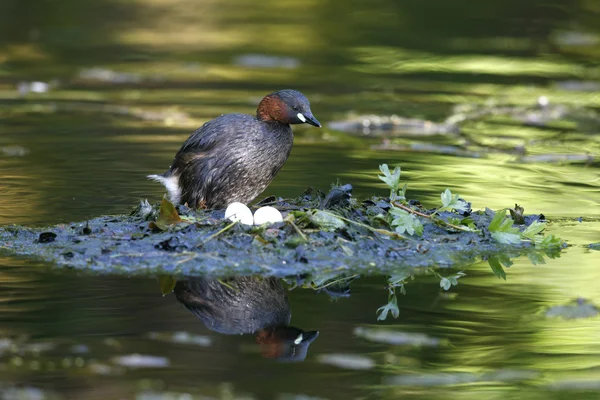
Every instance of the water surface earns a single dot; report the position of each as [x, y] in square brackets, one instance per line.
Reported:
[129, 81]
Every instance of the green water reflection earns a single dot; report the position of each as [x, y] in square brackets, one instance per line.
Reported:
[487, 332]
[128, 82]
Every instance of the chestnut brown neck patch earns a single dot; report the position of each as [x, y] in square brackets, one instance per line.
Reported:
[272, 108]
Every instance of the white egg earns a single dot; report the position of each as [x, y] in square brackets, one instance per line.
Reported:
[267, 215]
[239, 212]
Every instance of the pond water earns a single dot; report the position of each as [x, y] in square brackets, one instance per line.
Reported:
[121, 84]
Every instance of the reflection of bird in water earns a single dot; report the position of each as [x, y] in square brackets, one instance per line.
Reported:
[249, 304]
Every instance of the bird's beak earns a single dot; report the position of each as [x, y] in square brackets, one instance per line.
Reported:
[308, 337]
[308, 118]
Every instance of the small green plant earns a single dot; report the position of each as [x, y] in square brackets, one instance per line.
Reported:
[405, 222]
[404, 219]
[503, 230]
[392, 179]
[452, 202]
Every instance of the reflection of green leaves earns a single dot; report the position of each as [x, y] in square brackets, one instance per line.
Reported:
[450, 202]
[167, 216]
[331, 280]
[392, 180]
[549, 242]
[391, 306]
[166, 283]
[501, 228]
[497, 267]
[536, 257]
[405, 222]
[398, 279]
[447, 282]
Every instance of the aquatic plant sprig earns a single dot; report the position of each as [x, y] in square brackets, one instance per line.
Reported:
[396, 280]
[503, 230]
[370, 228]
[404, 216]
[392, 179]
[437, 220]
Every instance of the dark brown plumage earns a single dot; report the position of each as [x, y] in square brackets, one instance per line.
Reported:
[235, 157]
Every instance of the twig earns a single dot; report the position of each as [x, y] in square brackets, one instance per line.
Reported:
[259, 204]
[214, 235]
[430, 217]
[190, 258]
[302, 235]
[380, 231]
[410, 210]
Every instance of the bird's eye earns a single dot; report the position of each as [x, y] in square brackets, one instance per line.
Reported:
[295, 108]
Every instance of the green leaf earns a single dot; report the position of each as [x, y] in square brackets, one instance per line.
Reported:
[497, 268]
[469, 223]
[392, 180]
[496, 220]
[533, 229]
[406, 222]
[507, 238]
[507, 226]
[446, 198]
[502, 229]
[403, 191]
[326, 221]
[450, 201]
[454, 220]
[385, 170]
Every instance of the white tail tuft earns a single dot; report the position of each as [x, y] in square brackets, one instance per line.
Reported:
[172, 185]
